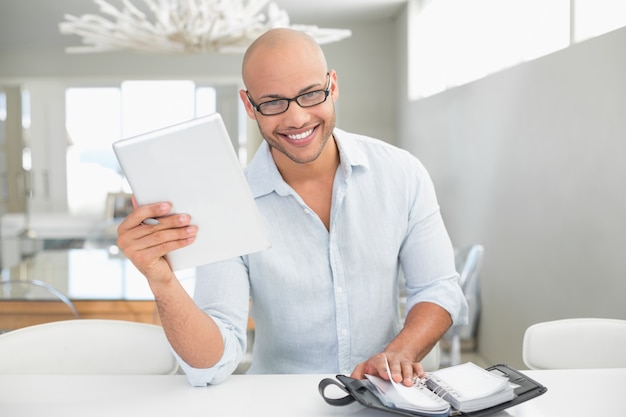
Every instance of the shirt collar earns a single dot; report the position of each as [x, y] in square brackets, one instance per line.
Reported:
[263, 175]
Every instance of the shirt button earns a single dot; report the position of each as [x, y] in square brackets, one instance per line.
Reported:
[339, 290]
[344, 332]
[307, 211]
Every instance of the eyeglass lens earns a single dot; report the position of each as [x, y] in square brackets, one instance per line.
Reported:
[310, 99]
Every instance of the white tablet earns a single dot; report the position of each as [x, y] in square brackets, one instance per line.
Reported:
[193, 165]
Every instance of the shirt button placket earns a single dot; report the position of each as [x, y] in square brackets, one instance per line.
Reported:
[341, 308]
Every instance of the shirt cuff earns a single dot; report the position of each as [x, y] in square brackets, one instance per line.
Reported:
[218, 373]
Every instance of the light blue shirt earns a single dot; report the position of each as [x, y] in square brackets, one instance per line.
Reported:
[324, 301]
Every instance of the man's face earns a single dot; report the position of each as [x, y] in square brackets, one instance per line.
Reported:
[299, 133]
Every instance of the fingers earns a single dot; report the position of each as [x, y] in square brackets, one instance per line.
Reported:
[376, 365]
[401, 369]
[141, 213]
[359, 371]
[146, 242]
[408, 372]
[153, 225]
[172, 232]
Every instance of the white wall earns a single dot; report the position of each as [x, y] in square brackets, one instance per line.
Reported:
[531, 162]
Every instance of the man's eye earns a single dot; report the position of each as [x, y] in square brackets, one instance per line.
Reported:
[273, 103]
[311, 95]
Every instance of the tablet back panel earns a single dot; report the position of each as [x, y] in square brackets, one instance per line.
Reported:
[193, 165]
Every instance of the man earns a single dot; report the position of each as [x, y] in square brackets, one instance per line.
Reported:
[345, 213]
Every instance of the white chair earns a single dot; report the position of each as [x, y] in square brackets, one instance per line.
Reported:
[87, 346]
[59, 306]
[432, 361]
[575, 343]
[468, 262]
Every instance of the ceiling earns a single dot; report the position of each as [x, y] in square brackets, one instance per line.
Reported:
[33, 24]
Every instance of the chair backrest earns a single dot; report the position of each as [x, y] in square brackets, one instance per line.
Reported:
[87, 346]
[575, 343]
[17, 298]
[468, 262]
[432, 360]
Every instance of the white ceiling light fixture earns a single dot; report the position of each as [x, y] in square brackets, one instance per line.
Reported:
[183, 26]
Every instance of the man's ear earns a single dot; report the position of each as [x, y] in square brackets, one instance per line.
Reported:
[246, 103]
[334, 87]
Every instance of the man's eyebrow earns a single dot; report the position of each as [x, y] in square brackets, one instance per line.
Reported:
[302, 91]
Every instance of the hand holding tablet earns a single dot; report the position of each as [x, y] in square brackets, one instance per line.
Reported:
[193, 166]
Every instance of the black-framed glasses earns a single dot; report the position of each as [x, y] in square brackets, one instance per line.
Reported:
[280, 105]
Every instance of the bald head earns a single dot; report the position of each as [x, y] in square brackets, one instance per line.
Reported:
[281, 50]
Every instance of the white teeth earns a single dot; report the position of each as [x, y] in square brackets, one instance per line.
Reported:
[301, 135]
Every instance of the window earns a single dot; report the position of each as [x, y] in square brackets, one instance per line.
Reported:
[453, 42]
[4, 186]
[93, 122]
[597, 17]
[98, 116]
[3, 106]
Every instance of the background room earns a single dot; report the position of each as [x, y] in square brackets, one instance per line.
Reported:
[515, 107]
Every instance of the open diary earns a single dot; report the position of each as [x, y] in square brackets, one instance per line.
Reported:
[461, 390]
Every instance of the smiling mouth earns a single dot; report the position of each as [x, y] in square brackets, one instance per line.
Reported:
[302, 135]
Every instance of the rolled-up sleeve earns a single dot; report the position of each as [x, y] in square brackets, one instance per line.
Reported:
[222, 292]
[427, 254]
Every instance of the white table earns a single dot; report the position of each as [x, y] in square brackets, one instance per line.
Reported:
[571, 393]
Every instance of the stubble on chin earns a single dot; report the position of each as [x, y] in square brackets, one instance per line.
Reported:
[276, 145]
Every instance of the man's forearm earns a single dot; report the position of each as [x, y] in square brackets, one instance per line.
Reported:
[425, 324]
[192, 333]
